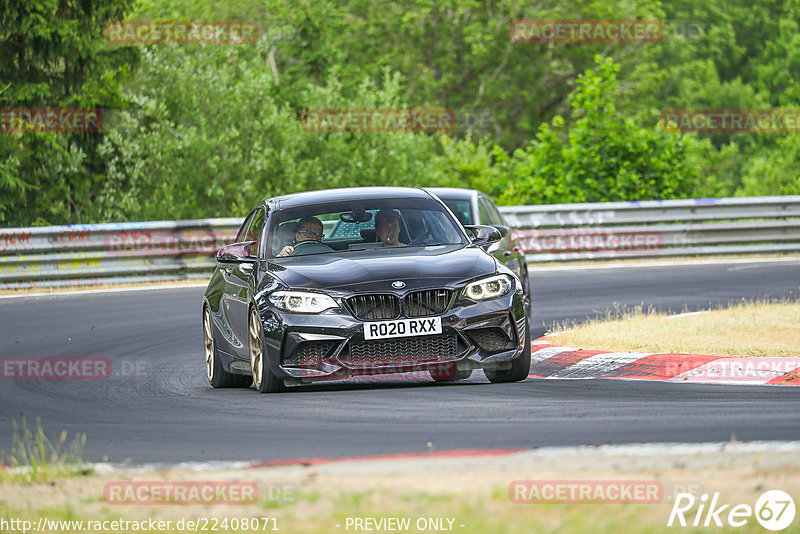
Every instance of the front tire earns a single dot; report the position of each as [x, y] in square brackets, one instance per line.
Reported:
[217, 376]
[528, 299]
[264, 379]
[520, 367]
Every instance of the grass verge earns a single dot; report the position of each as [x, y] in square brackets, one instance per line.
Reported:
[745, 329]
[36, 458]
[464, 495]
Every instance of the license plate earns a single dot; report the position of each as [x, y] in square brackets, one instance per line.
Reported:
[403, 328]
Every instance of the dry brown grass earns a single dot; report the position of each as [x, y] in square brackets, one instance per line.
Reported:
[473, 491]
[743, 330]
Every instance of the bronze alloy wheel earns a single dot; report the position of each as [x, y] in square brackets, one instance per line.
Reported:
[217, 376]
[256, 350]
[264, 379]
[208, 341]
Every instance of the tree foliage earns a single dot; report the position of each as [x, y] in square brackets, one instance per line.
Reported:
[217, 124]
[204, 130]
[603, 156]
[52, 55]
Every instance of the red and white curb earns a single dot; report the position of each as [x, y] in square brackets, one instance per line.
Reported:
[551, 361]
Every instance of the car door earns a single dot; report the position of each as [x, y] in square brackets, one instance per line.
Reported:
[230, 330]
[229, 308]
[240, 285]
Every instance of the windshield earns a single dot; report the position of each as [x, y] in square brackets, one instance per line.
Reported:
[460, 209]
[359, 225]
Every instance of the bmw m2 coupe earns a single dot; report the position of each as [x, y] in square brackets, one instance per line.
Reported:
[331, 284]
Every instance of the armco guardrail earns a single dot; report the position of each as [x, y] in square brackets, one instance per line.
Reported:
[562, 232]
[94, 254]
[169, 250]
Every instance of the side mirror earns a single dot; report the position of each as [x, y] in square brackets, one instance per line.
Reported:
[484, 235]
[502, 229]
[237, 253]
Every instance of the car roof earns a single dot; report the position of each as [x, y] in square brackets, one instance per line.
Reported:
[455, 193]
[350, 193]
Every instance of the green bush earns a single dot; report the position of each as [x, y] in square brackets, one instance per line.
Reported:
[212, 137]
[600, 155]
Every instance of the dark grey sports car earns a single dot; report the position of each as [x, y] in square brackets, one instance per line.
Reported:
[330, 284]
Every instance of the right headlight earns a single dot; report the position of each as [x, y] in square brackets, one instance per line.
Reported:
[489, 288]
[302, 301]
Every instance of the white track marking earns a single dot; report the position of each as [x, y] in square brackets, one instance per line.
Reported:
[549, 352]
[655, 264]
[687, 314]
[100, 291]
[599, 364]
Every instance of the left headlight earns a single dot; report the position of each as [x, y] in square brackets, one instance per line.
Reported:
[489, 288]
[302, 302]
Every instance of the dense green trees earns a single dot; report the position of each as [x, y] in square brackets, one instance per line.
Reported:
[213, 135]
[604, 156]
[52, 55]
[205, 130]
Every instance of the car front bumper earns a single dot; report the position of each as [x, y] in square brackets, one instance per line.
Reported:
[303, 348]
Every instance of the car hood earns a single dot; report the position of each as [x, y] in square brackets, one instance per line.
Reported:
[374, 270]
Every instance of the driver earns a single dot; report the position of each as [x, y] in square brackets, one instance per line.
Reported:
[308, 229]
[387, 227]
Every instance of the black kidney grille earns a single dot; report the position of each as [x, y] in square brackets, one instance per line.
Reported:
[427, 302]
[375, 307]
[417, 349]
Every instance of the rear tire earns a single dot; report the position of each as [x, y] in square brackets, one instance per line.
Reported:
[217, 376]
[520, 367]
[264, 379]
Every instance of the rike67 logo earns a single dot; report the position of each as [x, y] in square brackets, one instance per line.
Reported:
[774, 510]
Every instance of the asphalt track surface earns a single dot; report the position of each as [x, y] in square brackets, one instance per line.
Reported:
[158, 407]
